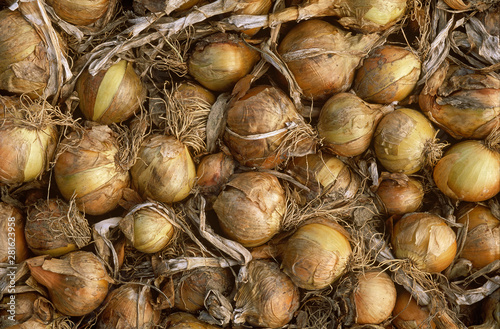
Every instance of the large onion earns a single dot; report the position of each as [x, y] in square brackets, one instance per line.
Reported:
[469, 171]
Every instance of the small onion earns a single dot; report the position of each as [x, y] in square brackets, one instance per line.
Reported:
[182, 320]
[112, 95]
[316, 255]
[88, 169]
[402, 140]
[371, 15]
[389, 74]
[254, 7]
[469, 171]
[164, 170]
[213, 172]
[192, 94]
[23, 306]
[323, 57]
[399, 194]
[250, 209]
[80, 12]
[346, 124]
[426, 240]
[268, 298]
[463, 103]
[409, 315]
[13, 246]
[77, 282]
[209, 64]
[482, 243]
[374, 297]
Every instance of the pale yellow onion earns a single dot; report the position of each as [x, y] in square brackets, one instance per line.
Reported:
[192, 94]
[399, 194]
[87, 168]
[469, 171]
[409, 315]
[402, 139]
[164, 170]
[112, 95]
[371, 15]
[425, 239]
[13, 246]
[80, 12]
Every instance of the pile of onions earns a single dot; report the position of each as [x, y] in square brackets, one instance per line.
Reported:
[29, 139]
[208, 62]
[81, 12]
[469, 171]
[346, 124]
[404, 140]
[425, 239]
[389, 74]
[463, 103]
[88, 169]
[399, 194]
[12, 235]
[408, 314]
[250, 209]
[268, 298]
[112, 95]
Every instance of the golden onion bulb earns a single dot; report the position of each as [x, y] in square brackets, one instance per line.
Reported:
[469, 171]
[77, 282]
[112, 95]
[13, 246]
[213, 172]
[250, 209]
[399, 194]
[259, 123]
[317, 254]
[482, 245]
[371, 15]
[402, 140]
[323, 57]
[55, 228]
[87, 169]
[268, 298]
[463, 103]
[24, 62]
[425, 239]
[209, 65]
[164, 170]
[129, 306]
[192, 94]
[408, 314]
[374, 297]
[80, 12]
[346, 124]
[182, 320]
[27, 145]
[389, 74]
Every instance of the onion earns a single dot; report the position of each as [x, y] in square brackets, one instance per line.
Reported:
[316, 255]
[399, 194]
[482, 245]
[29, 139]
[426, 240]
[403, 141]
[374, 297]
[469, 171]
[408, 314]
[214, 171]
[209, 64]
[254, 7]
[268, 298]
[322, 57]
[80, 12]
[164, 170]
[24, 63]
[112, 95]
[264, 128]
[371, 15]
[88, 169]
[463, 103]
[23, 308]
[182, 320]
[250, 209]
[192, 94]
[346, 124]
[77, 282]
[13, 246]
[389, 74]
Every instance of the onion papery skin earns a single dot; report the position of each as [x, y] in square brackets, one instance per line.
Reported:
[374, 297]
[316, 255]
[26, 148]
[209, 65]
[80, 12]
[389, 74]
[182, 320]
[164, 170]
[268, 298]
[409, 315]
[468, 171]
[482, 245]
[462, 103]
[400, 194]
[346, 124]
[24, 65]
[426, 240]
[322, 57]
[12, 223]
[112, 95]
[88, 169]
[250, 209]
[254, 7]
[401, 140]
